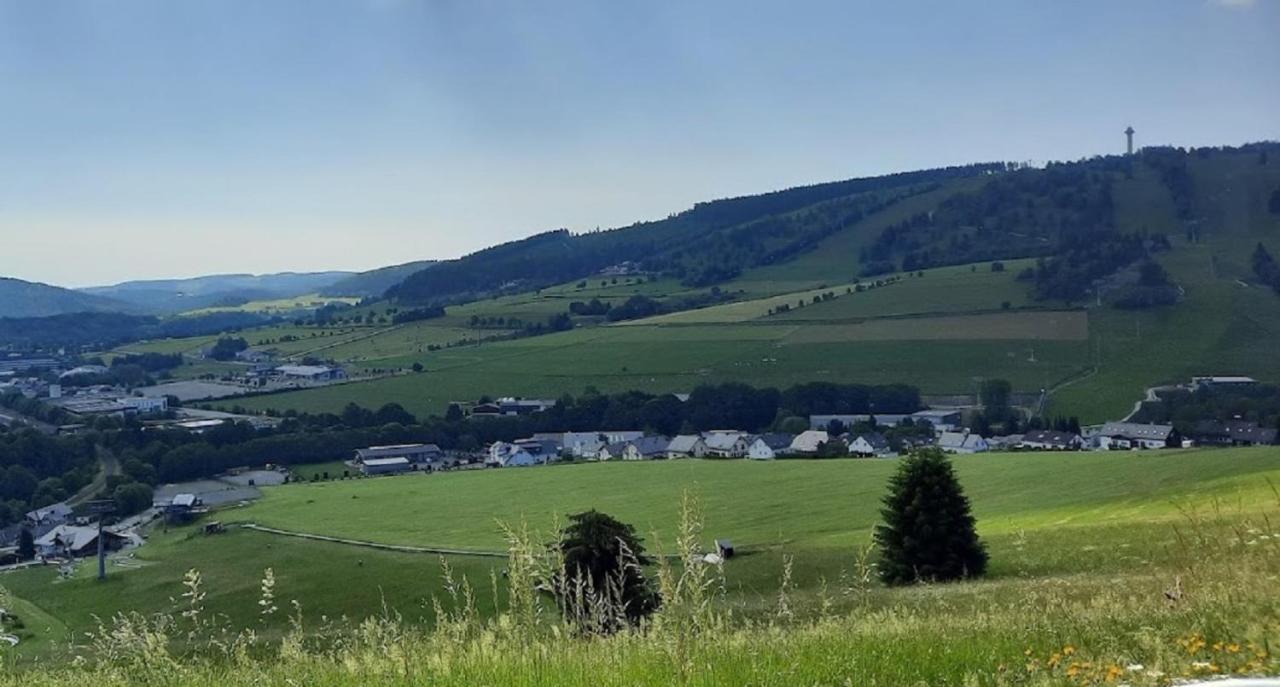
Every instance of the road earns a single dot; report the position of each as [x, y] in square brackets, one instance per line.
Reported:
[12, 417]
[108, 465]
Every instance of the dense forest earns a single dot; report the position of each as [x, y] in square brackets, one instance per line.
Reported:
[711, 242]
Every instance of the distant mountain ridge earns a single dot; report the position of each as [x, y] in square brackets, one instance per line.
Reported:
[20, 298]
[167, 296]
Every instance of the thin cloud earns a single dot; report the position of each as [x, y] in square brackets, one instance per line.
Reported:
[1234, 4]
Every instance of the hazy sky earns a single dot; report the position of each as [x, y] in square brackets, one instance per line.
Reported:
[173, 138]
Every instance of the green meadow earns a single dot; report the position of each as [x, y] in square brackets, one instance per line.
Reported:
[1093, 536]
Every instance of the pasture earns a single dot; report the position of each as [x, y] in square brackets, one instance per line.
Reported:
[1081, 521]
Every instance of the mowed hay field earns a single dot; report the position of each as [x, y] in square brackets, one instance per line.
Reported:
[1084, 522]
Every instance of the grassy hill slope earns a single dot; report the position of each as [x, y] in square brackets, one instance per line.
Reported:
[20, 298]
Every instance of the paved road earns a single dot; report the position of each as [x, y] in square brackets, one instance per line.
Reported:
[108, 465]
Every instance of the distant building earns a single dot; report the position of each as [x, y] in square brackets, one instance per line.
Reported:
[807, 443]
[769, 446]
[182, 507]
[942, 419]
[687, 446]
[54, 514]
[1222, 380]
[146, 404]
[512, 406]
[646, 448]
[962, 442]
[869, 445]
[385, 466]
[1124, 436]
[1050, 440]
[311, 373]
[84, 370]
[725, 444]
[416, 454]
[73, 541]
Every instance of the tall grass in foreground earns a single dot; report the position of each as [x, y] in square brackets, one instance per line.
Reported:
[1215, 612]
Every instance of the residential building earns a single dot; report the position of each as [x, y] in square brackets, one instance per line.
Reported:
[962, 442]
[54, 514]
[808, 442]
[646, 448]
[725, 444]
[769, 446]
[75, 541]
[1050, 440]
[942, 419]
[687, 446]
[869, 444]
[1123, 436]
[612, 451]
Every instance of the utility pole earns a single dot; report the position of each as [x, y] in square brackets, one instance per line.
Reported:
[102, 508]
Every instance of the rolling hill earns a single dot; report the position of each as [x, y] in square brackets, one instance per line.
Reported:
[374, 282]
[167, 296]
[20, 298]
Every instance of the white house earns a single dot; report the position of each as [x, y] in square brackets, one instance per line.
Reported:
[807, 442]
[869, 444]
[687, 446]
[759, 449]
[725, 444]
[962, 442]
[612, 451]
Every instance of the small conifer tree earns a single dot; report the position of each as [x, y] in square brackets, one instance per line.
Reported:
[928, 532]
[607, 554]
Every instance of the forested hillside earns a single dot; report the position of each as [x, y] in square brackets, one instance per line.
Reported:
[20, 298]
[709, 243]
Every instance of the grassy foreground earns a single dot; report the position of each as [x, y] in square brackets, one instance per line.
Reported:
[1100, 563]
[1210, 610]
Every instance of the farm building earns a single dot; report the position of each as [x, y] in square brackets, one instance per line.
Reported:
[869, 444]
[962, 442]
[417, 454]
[181, 507]
[385, 466]
[807, 443]
[942, 419]
[1233, 433]
[311, 373]
[1051, 440]
[55, 514]
[725, 444]
[512, 406]
[1222, 380]
[1123, 436]
[687, 446]
[76, 541]
[769, 446]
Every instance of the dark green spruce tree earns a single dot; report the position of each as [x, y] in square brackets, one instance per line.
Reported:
[597, 548]
[928, 533]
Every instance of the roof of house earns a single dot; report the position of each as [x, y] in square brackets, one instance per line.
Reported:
[776, 440]
[956, 440]
[57, 510]
[683, 443]
[395, 451]
[874, 439]
[386, 462]
[932, 413]
[809, 440]
[615, 448]
[648, 446]
[723, 441]
[1050, 436]
[1134, 430]
[183, 500]
[74, 537]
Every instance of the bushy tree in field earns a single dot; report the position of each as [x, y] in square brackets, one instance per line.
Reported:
[928, 532]
[607, 554]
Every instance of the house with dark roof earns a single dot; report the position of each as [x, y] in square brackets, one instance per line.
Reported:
[1050, 440]
[1124, 436]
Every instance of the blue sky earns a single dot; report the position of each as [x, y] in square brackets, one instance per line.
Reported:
[144, 139]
